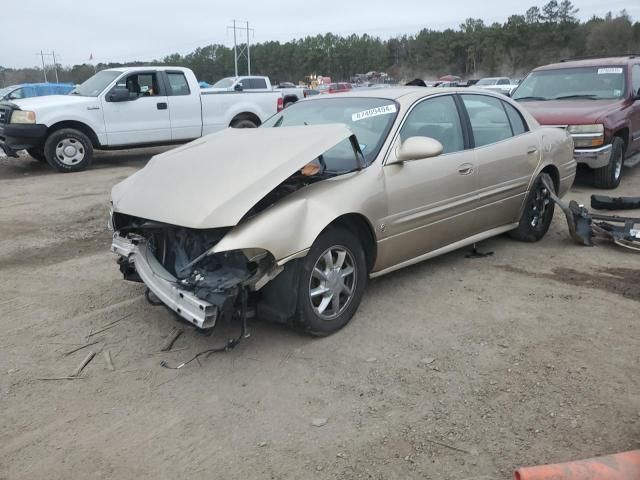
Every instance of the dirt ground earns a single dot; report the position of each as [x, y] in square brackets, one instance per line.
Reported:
[453, 368]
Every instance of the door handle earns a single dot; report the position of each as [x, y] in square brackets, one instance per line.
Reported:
[532, 150]
[465, 169]
[162, 105]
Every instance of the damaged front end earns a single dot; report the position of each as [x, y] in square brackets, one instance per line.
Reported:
[178, 267]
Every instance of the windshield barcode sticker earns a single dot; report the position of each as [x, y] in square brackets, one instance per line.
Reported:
[609, 70]
[373, 112]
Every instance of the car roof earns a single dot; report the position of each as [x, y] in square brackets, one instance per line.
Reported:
[410, 94]
[146, 68]
[589, 62]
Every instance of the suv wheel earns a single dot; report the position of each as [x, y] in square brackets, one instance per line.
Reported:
[609, 176]
[68, 150]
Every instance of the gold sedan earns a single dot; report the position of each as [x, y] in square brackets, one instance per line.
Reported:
[289, 220]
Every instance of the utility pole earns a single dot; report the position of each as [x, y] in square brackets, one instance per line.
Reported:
[235, 47]
[240, 51]
[55, 65]
[44, 68]
[248, 52]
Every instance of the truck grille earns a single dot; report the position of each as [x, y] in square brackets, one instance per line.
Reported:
[4, 115]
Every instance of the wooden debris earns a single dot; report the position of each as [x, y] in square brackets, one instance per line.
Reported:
[449, 446]
[107, 357]
[83, 364]
[109, 325]
[173, 336]
[80, 348]
[60, 378]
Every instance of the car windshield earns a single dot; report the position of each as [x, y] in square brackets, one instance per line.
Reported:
[573, 83]
[96, 84]
[5, 91]
[224, 83]
[487, 81]
[370, 119]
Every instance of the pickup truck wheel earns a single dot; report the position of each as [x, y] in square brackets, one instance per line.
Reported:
[537, 214]
[68, 150]
[37, 154]
[609, 176]
[244, 123]
[333, 277]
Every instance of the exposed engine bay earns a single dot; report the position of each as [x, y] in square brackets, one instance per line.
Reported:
[183, 258]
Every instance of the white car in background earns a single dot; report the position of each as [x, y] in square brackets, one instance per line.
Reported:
[502, 85]
[125, 108]
[290, 93]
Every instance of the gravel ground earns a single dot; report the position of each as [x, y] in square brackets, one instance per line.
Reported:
[453, 368]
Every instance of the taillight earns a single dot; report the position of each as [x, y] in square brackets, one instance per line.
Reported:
[280, 104]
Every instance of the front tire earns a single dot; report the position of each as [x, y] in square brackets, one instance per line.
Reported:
[68, 150]
[538, 212]
[333, 277]
[609, 176]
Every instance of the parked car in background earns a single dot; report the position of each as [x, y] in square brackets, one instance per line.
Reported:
[125, 108]
[339, 87]
[330, 192]
[502, 85]
[290, 93]
[598, 101]
[28, 90]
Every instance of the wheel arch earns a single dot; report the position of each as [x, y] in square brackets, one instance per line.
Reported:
[359, 225]
[622, 133]
[246, 116]
[554, 173]
[82, 127]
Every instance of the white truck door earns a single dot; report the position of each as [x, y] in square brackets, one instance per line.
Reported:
[144, 118]
[185, 111]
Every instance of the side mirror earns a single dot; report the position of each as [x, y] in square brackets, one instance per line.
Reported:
[416, 148]
[238, 87]
[118, 94]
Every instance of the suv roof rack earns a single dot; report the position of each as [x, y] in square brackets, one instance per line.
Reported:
[593, 57]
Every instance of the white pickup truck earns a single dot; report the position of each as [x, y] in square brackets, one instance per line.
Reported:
[290, 93]
[125, 108]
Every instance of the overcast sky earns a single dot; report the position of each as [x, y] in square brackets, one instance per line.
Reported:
[121, 31]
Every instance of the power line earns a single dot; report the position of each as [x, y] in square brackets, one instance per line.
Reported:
[242, 50]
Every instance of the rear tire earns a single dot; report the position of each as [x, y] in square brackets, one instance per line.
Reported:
[243, 123]
[68, 150]
[335, 267]
[37, 154]
[538, 212]
[609, 176]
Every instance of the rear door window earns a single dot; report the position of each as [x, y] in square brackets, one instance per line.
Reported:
[489, 121]
[178, 83]
[518, 125]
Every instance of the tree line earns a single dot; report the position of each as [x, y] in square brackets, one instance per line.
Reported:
[538, 36]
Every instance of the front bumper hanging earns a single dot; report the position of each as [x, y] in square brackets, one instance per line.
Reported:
[164, 285]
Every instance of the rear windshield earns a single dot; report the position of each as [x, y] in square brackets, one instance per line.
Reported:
[487, 81]
[595, 83]
[224, 83]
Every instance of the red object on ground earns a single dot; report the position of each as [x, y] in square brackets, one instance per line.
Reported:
[620, 466]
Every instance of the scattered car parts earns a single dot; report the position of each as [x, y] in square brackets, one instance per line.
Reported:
[584, 225]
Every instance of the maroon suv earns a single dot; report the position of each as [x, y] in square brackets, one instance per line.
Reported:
[598, 101]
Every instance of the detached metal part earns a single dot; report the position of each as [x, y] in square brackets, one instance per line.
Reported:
[584, 225]
[604, 202]
[163, 285]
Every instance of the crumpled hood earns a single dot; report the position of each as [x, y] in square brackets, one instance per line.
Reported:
[214, 181]
[570, 112]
